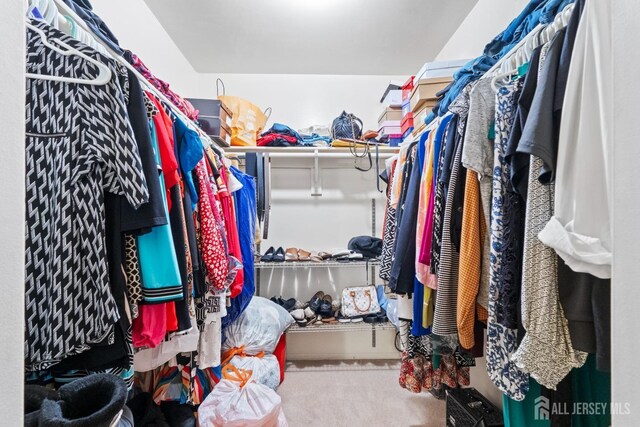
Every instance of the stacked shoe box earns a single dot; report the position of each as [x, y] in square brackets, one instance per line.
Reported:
[389, 122]
[406, 125]
[430, 81]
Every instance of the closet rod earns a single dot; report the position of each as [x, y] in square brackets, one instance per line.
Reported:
[319, 155]
[79, 21]
[533, 33]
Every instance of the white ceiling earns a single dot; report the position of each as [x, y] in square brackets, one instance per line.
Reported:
[365, 37]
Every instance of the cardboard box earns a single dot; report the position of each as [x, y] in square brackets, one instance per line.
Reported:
[440, 68]
[426, 90]
[406, 108]
[393, 99]
[407, 87]
[390, 127]
[407, 123]
[422, 113]
[390, 113]
[393, 85]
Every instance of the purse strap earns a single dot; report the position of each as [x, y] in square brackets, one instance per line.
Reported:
[219, 83]
[353, 146]
[367, 292]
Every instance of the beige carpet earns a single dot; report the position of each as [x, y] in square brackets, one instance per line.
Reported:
[353, 394]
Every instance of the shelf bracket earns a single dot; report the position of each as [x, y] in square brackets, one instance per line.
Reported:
[373, 335]
[316, 184]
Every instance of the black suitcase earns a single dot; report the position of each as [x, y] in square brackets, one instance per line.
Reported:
[466, 407]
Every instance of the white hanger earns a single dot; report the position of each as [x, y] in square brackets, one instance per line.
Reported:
[104, 75]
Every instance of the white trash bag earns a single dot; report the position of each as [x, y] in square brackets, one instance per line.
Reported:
[258, 328]
[266, 369]
[238, 401]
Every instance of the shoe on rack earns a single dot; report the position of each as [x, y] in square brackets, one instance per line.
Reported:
[268, 256]
[326, 309]
[288, 304]
[276, 300]
[316, 301]
[304, 255]
[300, 304]
[370, 318]
[315, 257]
[299, 316]
[291, 255]
[278, 256]
[342, 319]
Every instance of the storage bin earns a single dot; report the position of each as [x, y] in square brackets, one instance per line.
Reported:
[390, 113]
[212, 108]
[216, 129]
[407, 87]
[393, 99]
[426, 90]
[407, 122]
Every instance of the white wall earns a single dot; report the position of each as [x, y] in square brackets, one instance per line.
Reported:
[484, 22]
[296, 100]
[12, 33]
[138, 30]
[626, 211]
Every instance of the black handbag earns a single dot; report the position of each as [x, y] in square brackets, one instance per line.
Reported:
[346, 126]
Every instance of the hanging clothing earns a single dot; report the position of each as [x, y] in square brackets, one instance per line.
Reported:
[444, 321]
[580, 230]
[478, 157]
[501, 340]
[161, 280]
[73, 156]
[389, 233]
[474, 231]
[245, 202]
[546, 351]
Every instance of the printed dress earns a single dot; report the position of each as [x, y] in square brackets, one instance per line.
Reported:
[502, 341]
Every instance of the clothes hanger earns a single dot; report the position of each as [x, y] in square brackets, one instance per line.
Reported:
[103, 77]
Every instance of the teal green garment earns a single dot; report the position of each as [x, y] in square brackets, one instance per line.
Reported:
[161, 280]
[591, 386]
[522, 414]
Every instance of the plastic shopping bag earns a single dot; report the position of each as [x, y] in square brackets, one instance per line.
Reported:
[237, 401]
[258, 328]
[248, 119]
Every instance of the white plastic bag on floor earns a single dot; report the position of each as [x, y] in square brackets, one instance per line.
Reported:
[266, 369]
[238, 401]
[258, 328]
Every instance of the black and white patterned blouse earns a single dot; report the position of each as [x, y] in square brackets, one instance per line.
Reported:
[79, 144]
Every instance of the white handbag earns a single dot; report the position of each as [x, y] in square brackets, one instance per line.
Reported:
[359, 301]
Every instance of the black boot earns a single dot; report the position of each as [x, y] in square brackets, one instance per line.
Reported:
[93, 401]
[34, 395]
